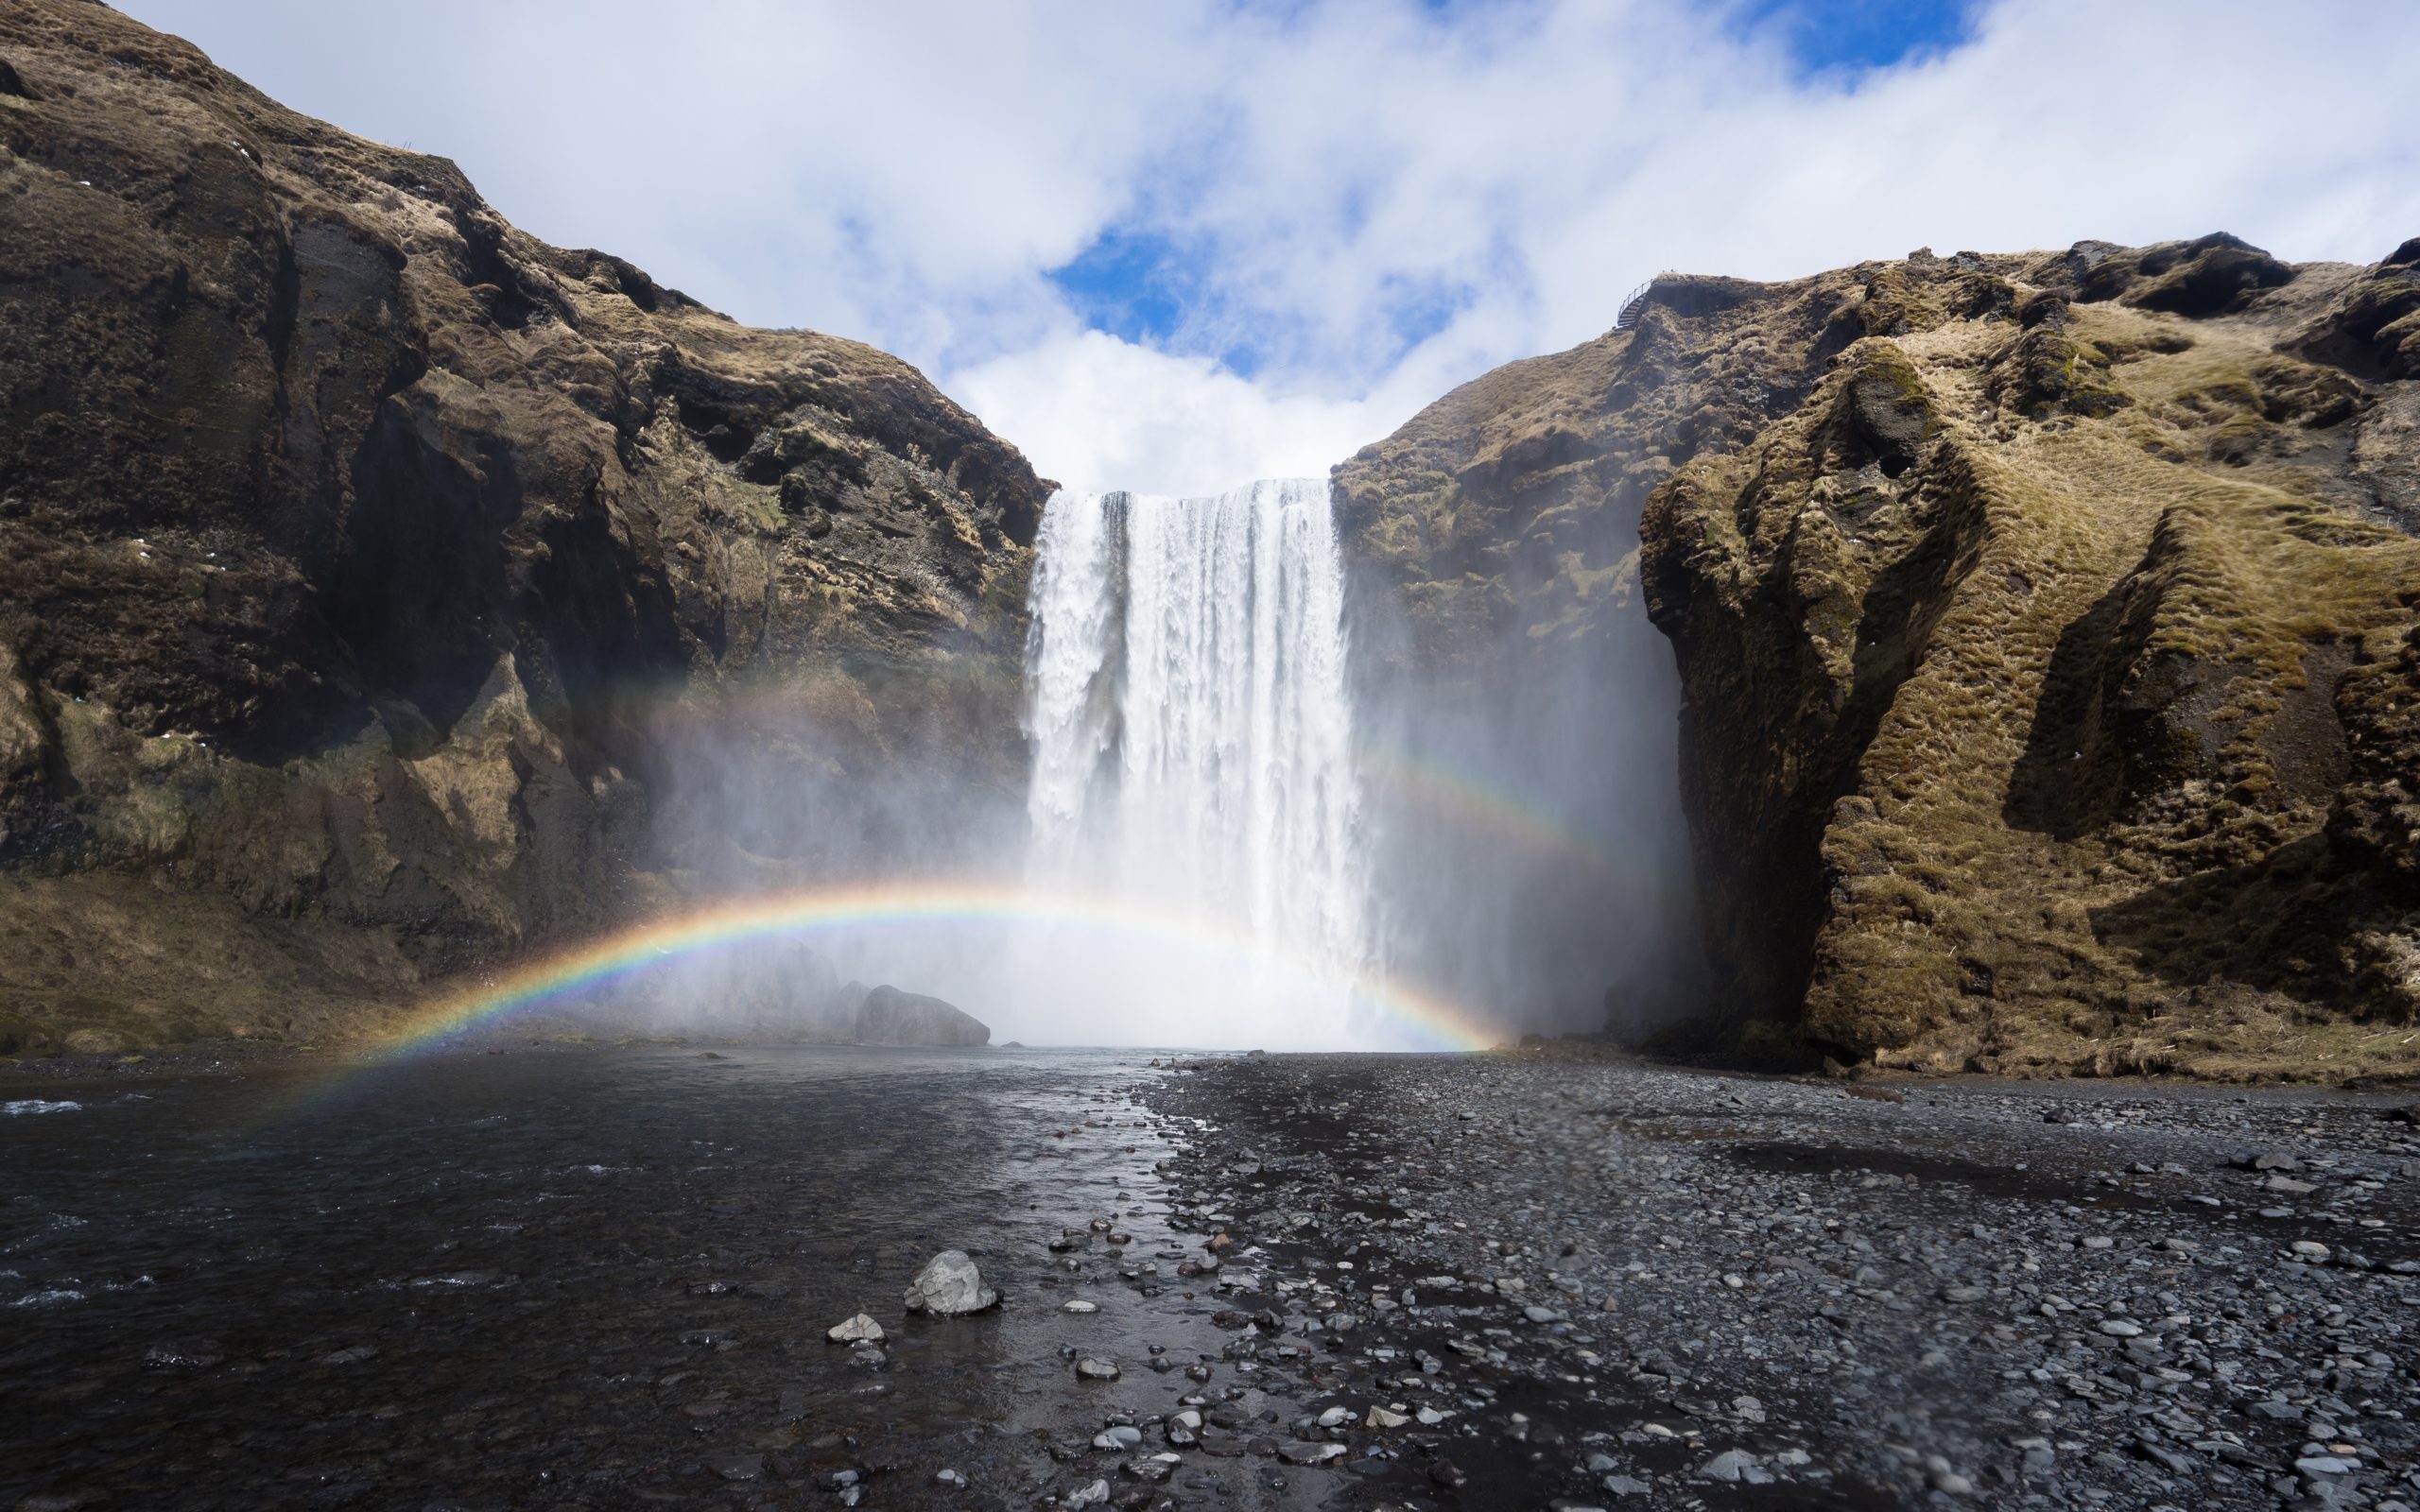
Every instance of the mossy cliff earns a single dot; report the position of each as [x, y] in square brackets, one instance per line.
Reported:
[2046, 626]
[370, 570]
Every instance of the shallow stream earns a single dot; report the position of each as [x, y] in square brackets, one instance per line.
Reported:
[593, 1277]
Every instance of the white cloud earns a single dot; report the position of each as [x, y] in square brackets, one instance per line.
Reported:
[1377, 200]
[1100, 412]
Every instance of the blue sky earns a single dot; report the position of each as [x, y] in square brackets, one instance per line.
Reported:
[1175, 245]
[1858, 35]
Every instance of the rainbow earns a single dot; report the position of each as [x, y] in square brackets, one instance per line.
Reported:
[1430, 1021]
[1513, 816]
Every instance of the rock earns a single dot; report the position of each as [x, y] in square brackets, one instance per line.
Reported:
[736, 1467]
[1784, 443]
[184, 1354]
[1122, 1437]
[890, 1017]
[860, 1329]
[1079, 1305]
[1382, 1417]
[409, 539]
[1626, 1486]
[1299, 1451]
[1336, 1416]
[2310, 1249]
[2118, 1328]
[1734, 1464]
[1089, 1368]
[1093, 1495]
[950, 1285]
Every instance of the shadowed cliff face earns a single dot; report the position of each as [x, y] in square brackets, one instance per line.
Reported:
[2043, 634]
[382, 590]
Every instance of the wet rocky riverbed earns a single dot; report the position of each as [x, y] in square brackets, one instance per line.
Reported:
[1513, 1283]
[598, 1277]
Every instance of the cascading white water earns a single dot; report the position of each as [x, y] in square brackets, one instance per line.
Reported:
[1193, 754]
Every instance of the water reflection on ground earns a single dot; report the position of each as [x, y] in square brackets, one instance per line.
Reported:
[591, 1277]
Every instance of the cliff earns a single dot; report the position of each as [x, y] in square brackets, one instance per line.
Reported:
[2046, 626]
[383, 591]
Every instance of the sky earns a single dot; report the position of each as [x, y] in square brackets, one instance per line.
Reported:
[1177, 245]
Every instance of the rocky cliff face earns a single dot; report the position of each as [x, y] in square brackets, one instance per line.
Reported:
[2046, 626]
[380, 587]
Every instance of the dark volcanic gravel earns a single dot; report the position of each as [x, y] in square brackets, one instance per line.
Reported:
[601, 1278]
[1507, 1282]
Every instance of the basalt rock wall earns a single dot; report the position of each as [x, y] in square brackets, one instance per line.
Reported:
[384, 592]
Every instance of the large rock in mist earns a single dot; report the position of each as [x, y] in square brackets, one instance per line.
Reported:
[890, 1017]
[2046, 625]
[384, 592]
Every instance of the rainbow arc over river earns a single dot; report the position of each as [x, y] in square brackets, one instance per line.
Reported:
[1421, 1021]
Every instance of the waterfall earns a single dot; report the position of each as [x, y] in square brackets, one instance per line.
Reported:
[1192, 744]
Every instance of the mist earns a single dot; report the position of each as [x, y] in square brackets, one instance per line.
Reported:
[1224, 805]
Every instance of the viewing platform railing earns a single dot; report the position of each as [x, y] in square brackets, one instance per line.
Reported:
[1634, 303]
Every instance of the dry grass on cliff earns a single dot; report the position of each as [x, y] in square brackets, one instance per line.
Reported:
[1972, 943]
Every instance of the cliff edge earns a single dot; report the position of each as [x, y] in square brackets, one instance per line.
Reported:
[2048, 627]
[371, 572]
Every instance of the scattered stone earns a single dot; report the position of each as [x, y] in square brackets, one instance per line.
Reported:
[736, 1467]
[184, 1354]
[1738, 1466]
[1092, 1369]
[861, 1328]
[949, 1286]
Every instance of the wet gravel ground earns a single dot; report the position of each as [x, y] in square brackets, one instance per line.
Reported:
[600, 1278]
[1501, 1281]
